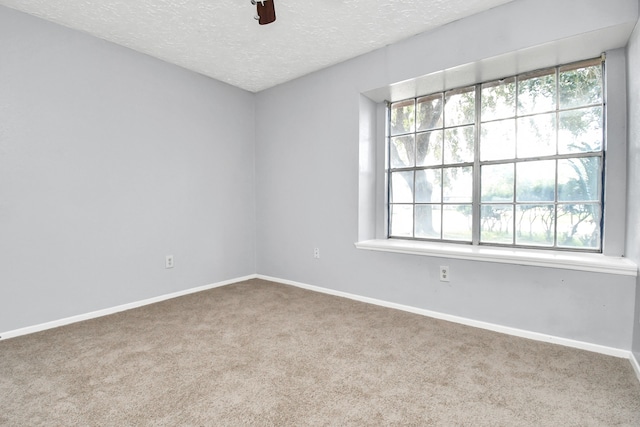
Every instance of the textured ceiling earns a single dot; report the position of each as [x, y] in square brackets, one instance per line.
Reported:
[221, 39]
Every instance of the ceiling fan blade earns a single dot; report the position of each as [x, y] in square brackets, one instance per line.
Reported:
[266, 11]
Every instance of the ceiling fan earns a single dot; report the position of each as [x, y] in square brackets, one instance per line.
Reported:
[266, 12]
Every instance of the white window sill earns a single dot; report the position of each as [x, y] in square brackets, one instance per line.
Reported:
[541, 258]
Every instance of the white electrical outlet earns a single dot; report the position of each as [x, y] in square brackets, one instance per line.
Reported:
[444, 273]
[168, 261]
[316, 253]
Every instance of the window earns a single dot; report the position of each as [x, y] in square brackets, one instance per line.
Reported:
[515, 162]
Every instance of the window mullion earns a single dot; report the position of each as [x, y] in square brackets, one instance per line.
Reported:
[388, 167]
[447, 148]
[475, 207]
[415, 160]
[555, 189]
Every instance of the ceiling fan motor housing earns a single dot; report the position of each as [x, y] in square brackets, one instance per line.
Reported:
[266, 12]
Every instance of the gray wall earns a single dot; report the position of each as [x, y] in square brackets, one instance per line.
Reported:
[308, 141]
[633, 166]
[109, 160]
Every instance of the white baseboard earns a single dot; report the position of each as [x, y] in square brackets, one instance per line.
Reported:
[464, 321]
[456, 319]
[117, 309]
[635, 364]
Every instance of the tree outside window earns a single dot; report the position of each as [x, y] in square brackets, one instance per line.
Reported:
[530, 147]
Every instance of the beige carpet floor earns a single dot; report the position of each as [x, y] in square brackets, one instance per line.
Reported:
[260, 353]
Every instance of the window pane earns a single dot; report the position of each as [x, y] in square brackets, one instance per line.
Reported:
[402, 117]
[535, 181]
[456, 222]
[458, 145]
[579, 226]
[402, 151]
[537, 136]
[429, 148]
[535, 225]
[428, 221]
[580, 130]
[581, 86]
[401, 221]
[460, 106]
[578, 179]
[496, 224]
[428, 186]
[457, 184]
[429, 112]
[499, 99]
[537, 92]
[401, 187]
[497, 183]
[498, 140]
[539, 147]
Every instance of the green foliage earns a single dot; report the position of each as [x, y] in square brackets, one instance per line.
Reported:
[582, 86]
[533, 93]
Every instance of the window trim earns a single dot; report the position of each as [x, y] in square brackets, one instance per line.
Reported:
[581, 261]
[372, 212]
[476, 204]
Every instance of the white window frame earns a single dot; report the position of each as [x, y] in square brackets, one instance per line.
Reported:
[476, 164]
[372, 235]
